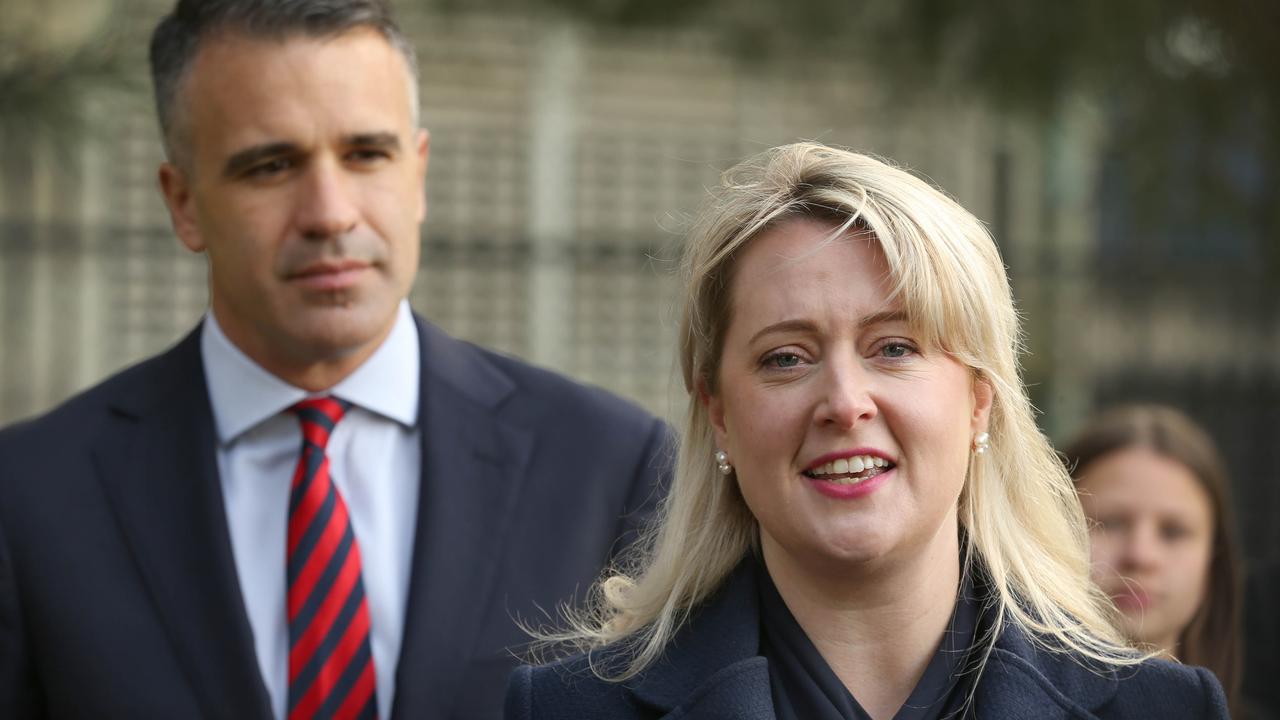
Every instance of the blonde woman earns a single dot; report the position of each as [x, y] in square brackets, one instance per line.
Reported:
[865, 520]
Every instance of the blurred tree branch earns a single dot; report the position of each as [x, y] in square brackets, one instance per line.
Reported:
[52, 55]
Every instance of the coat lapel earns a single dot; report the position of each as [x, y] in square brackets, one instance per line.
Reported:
[158, 467]
[1022, 680]
[472, 466]
[713, 668]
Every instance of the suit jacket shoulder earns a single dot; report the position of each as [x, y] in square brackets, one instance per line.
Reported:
[77, 418]
[38, 453]
[539, 395]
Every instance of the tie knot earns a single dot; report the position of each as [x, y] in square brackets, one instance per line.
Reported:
[319, 416]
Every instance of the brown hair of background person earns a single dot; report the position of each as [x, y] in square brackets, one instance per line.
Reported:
[1212, 637]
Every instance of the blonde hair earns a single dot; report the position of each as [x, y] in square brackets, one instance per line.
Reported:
[1019, 510]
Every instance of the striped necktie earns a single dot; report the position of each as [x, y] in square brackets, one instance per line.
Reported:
[330, 662]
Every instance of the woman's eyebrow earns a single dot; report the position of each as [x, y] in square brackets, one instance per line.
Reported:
[887, 316]
[798, 325]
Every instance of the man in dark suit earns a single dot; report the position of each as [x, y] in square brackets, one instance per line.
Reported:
[317, 504]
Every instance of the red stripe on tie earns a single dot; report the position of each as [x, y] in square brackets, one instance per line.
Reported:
[356, 635]
[360, 694]
[321, 554]
[310, 504]
[316, 433]
[331, 408]
[307, 635]
[306, 646]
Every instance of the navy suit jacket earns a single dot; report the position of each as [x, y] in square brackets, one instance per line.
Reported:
[118, 591]
[712, 670]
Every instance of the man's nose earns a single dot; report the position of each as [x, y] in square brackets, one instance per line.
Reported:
[846, 394]
[326, 206]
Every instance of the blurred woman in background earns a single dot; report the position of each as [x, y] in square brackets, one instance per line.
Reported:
[1162, 534]
[865, 520]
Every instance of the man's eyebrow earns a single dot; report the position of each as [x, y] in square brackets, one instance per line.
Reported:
[248, 157]
[383, 140]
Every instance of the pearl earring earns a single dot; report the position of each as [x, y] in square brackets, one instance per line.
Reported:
[722, 462]
[982, 443]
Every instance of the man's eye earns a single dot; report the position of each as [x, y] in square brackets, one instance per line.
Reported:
[270, 167]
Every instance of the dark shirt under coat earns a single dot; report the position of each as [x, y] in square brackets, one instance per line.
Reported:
[806, 688]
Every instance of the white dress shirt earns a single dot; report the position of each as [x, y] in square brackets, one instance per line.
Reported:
[375, 458]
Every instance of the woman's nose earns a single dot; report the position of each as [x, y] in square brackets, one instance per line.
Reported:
[846, 394]
[1141, 547]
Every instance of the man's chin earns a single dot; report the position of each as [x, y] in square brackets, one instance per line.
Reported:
[339, 331]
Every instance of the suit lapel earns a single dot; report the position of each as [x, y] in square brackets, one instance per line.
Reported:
[472, 467]
[158, 467]
[713, 668]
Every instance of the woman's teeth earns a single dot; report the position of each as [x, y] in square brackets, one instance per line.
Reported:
[847, 471]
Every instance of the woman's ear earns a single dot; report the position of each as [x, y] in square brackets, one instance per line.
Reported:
[715, 412]
[983, 397]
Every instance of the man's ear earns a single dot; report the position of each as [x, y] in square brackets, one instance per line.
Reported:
[422, 149]
[175, 185]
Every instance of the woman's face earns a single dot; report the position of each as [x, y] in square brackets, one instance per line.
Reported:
[850, 437]
[1151, 533]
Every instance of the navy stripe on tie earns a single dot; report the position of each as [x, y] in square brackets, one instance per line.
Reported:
[315, 416]
[313, 456]
[348, 678]
[308, 674]
[322, 588]
[311, 536]
[370, 710]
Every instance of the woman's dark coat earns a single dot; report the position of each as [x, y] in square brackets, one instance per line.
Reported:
[712, 669]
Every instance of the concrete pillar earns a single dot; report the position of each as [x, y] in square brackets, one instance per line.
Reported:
[552, 215]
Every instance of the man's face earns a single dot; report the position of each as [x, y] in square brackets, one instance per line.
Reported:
[305, 186]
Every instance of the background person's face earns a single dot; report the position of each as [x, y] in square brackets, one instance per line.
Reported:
[305, 188]
[842, 373]
[1151, 534]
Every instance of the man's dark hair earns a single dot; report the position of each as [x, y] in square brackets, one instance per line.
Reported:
[177, 39]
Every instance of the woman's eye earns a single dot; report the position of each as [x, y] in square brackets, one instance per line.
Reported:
[1173, 532]
[783, 360]
[1107, 524]
[896, 350]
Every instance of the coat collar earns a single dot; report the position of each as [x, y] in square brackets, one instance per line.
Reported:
[1022, 678]
[473, 465]
[713, 669]
[155, 458]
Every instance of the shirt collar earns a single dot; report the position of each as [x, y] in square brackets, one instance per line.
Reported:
[243, 394]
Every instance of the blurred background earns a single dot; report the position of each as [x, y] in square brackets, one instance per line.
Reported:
[1124, 155]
